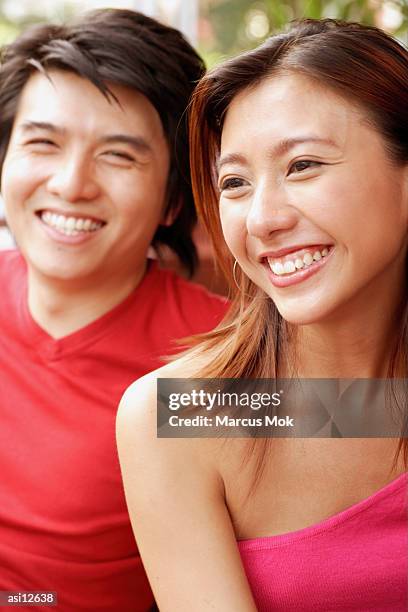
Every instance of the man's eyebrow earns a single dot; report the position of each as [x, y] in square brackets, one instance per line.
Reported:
[29, 126]
[138, 143]
[282, 147]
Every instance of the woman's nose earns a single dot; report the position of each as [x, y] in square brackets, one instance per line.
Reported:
[269, 212]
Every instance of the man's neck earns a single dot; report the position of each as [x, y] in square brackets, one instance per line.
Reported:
[63, 307]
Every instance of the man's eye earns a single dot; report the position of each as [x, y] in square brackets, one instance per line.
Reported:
[119, 155]
[41, 142]
[302, 165]
[231, 183]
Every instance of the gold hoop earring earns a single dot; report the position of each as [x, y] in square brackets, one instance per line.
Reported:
[234, 271]
[234, 276]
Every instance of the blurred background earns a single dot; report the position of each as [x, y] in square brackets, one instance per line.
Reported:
[219, 29]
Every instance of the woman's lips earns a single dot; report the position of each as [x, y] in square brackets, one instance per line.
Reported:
[290, 271]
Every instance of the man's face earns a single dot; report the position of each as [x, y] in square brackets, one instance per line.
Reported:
[84, 179]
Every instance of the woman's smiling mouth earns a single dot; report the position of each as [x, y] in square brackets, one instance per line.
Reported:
[297, 265]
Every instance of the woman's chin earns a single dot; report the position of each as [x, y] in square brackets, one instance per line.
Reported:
[301, 315]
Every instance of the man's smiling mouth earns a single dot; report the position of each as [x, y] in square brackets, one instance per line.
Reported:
[69, 225]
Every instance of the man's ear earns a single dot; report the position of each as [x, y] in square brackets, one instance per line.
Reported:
[405, 195]
[170, 215]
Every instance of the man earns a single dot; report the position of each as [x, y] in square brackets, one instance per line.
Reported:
[93, 146]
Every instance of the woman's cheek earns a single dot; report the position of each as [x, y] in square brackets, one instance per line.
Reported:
[233, 226]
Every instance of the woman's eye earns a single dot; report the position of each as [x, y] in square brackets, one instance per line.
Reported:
[302, 165]
[231, 183]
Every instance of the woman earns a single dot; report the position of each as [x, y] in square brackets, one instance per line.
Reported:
[300, 160]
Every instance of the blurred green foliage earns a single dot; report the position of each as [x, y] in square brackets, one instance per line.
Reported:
[11, 27]
[231, 26]
[238, 24]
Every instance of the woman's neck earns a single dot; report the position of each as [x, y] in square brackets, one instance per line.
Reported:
[358, 343]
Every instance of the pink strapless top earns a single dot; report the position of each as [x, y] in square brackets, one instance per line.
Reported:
[355, 560]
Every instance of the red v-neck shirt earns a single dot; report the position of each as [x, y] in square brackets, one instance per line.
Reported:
[63, 520]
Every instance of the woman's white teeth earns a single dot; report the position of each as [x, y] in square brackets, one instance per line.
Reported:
[307, 259]
[70, 226]
[289, 266]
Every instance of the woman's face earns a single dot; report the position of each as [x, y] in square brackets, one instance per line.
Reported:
[311, 206]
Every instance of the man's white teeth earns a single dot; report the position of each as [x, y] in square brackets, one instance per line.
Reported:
[289, 266]
[70, 226]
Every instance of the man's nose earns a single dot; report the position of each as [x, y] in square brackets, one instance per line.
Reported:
[73, 180]
[270, 212]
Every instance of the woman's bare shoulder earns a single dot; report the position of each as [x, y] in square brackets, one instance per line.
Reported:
[136, 422]
[139, 399]
[137, 429]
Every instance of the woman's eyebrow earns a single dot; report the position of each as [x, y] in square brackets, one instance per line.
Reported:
[231, 158]
[282, 147]
[285, 145]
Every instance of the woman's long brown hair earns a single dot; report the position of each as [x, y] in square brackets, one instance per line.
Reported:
[363, 65]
